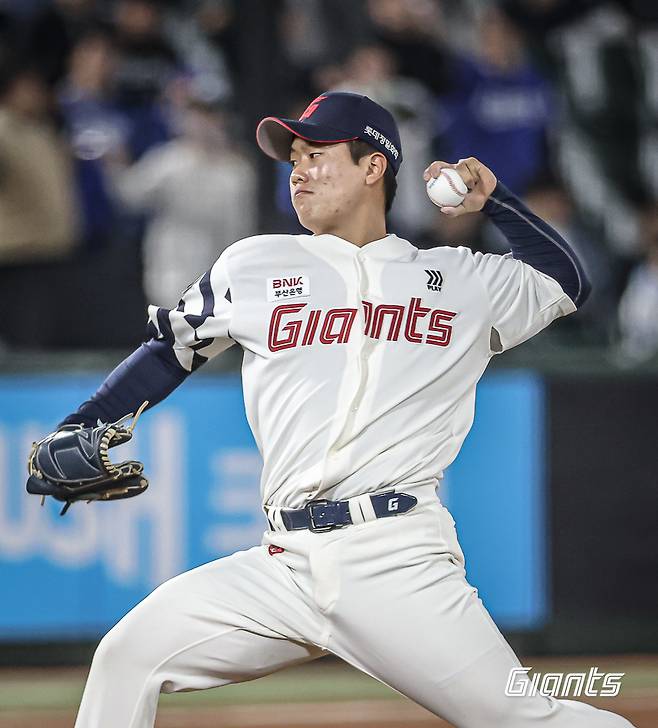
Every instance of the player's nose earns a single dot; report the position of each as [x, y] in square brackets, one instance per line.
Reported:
[299, 173]
[298, 176]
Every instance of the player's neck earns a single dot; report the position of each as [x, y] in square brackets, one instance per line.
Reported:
[358, 229]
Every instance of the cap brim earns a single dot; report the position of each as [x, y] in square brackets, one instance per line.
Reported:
[275, 136]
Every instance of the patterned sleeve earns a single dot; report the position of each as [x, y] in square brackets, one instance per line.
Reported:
[523, 300]
[198, 328]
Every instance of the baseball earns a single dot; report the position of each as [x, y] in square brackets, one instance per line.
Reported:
[448, 189]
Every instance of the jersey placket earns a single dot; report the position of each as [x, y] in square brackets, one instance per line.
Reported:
[358, 368]
[365, 350]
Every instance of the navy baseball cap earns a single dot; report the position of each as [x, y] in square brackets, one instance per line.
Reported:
[331, 118]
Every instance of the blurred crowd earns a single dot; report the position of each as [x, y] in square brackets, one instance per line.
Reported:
[128, 162]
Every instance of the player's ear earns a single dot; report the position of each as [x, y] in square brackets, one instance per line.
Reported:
[376, 167]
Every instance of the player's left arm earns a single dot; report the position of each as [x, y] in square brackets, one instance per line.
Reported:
[531, 239]
[180, 341]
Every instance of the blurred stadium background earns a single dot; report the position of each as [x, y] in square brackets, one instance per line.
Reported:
[127, 163]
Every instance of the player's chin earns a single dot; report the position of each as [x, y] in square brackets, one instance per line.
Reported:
[303, 203]
[308, 224]
[307, 215]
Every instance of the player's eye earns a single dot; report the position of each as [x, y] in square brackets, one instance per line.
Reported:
[313, 155]
[293, 162]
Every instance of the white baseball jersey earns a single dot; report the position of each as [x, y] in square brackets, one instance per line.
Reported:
[360, 364]
[360, 367]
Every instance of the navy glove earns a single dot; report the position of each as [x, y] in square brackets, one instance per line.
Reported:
[73, 464]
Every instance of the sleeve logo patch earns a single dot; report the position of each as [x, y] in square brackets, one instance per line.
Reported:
[292, 286]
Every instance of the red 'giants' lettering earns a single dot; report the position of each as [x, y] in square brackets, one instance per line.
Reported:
[396, 313]
[416, 311]
[345, 318]
[277, 342]
[440, 333]
[335, 325]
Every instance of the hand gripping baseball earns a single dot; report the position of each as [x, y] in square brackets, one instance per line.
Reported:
[478, 178]
[73, 464]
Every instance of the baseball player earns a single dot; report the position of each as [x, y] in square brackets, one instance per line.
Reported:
[361, 358]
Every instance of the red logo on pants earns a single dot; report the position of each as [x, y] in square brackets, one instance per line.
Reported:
[272, 550]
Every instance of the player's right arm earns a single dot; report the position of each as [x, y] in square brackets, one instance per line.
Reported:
[540, 279]
[181, 340]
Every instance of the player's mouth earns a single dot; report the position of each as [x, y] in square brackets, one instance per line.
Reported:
[299, 192]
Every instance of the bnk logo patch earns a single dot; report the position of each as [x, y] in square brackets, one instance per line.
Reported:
[290, 286]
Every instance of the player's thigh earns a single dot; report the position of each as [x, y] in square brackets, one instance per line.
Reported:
[412, 620]
[432, 642]
[403, 588]
[222, 622]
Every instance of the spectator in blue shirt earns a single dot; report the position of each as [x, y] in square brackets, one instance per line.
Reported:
[97, 132]
[499, 107]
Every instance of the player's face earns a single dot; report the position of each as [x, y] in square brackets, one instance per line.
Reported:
[325, 184]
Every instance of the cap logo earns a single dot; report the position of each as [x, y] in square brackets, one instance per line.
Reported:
[312, 108]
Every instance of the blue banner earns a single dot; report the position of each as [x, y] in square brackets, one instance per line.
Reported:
[76, 576]
[495, 492]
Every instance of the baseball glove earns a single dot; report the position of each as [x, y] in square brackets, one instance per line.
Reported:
[73, 464]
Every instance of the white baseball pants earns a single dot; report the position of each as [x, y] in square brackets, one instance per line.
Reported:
[389, 596]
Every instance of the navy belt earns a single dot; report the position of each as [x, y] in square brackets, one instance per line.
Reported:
[326, 515]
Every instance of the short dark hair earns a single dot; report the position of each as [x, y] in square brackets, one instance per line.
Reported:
[358, 150]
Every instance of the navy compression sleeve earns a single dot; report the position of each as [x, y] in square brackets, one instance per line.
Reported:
[151, 373]
[536, 243]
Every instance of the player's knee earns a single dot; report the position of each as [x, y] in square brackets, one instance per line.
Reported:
[506, 713]
[515, 712]
[587, 715]
[116, 651]
[521, 713]
[109, 656]
[105, 657]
